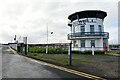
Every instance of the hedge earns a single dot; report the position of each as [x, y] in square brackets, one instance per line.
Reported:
[50, 50]
[60, 51]
[36, 50]
[88, 52]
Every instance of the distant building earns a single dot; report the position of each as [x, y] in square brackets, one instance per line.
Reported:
[87, 30]
[114, 46]
[13, 45]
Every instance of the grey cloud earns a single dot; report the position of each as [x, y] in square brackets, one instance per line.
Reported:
[30, 18]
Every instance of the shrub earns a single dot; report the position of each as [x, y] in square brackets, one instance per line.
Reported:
[50, 50]
[42, 50]
[88, 52]
[65, 52]
[36, 50]
[59, 50]
[118, 52]
[96, 52]
[56, 51]
[35, 54]
[99, 52]
[31, 51]
[77, 52]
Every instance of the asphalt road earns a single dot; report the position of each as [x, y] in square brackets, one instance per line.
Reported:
[16, 66]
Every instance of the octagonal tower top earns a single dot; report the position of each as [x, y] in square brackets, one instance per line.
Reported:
[87, 14]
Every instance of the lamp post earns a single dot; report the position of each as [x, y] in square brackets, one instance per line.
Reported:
[47, 41]
[15, 38]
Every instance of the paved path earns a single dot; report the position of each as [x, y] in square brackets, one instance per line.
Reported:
[16, 66]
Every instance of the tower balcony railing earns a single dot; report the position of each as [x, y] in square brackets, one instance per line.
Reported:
[88, 35]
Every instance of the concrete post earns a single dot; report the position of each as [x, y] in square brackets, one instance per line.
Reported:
[92, 50]
[68, 50]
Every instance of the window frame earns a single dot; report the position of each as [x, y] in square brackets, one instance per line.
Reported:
[82, 43]
[92, 31]
[92, 43]
[82, 28]
[100, 28]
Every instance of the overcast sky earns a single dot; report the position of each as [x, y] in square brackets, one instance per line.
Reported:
[30, 18]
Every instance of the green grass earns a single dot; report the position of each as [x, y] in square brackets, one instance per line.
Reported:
[61, 59]
[60, 56]
[81, 62]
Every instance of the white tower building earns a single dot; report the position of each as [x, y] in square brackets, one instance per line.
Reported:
[87, 30]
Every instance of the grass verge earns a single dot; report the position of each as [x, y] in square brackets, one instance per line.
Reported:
[62, 59]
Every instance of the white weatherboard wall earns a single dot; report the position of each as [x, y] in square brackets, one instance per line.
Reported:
[98, 41]
[87, 26]
[98, 44]
[76, 26]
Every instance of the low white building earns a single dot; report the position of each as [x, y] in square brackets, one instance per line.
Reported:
[87, 30]
[13, 45]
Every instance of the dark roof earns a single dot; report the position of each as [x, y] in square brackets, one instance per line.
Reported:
[88, 14]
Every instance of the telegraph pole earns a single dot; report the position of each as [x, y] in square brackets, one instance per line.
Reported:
[47, 40]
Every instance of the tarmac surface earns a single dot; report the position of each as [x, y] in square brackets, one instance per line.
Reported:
[16, 66]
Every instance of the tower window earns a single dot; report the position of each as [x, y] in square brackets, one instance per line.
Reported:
[82, 43]
[92, 43]
[82, 28]
[100, 28]
[92, 28]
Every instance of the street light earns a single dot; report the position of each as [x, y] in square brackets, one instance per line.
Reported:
[15, 38]
[47, 40]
